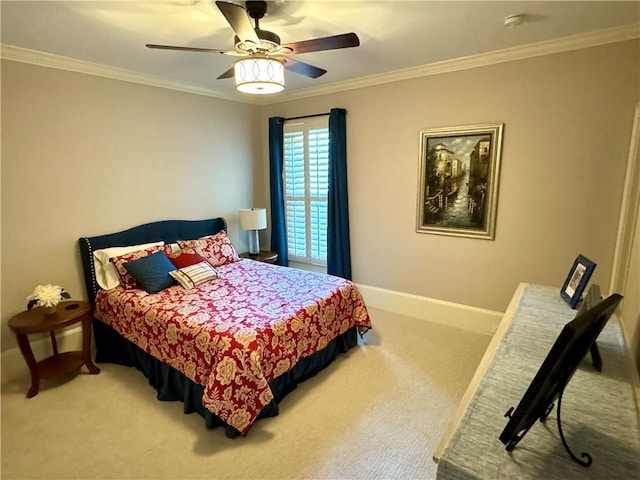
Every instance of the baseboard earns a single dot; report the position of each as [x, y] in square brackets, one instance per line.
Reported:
[473, 319]
[468, 318]
[14, 365]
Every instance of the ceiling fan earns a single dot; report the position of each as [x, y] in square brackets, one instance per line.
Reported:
[264, 57]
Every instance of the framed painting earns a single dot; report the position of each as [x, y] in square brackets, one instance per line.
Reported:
[577, 280]
[458, 176]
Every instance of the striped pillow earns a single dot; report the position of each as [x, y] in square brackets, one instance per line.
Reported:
[194, 275]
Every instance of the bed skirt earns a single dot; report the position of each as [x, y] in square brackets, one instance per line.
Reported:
[172, 385]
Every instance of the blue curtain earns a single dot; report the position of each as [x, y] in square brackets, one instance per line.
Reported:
[338, 248]
[276, 166]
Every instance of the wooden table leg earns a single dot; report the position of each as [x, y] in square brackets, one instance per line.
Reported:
[25, 348]
[86, 346]
[54, 343]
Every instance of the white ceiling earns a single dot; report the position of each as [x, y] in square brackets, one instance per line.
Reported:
[395, 36]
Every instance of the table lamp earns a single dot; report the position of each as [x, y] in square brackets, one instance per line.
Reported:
[253, 219]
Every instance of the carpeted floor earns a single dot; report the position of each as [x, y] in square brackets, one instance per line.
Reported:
[376, 412]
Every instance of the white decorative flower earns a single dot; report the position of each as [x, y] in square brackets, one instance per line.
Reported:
[46, 296]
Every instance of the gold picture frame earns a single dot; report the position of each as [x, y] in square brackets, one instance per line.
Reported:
[458, 176]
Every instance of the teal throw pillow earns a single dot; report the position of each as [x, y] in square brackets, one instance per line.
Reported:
[152, 272]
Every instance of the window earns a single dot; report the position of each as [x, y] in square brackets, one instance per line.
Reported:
[306, 181]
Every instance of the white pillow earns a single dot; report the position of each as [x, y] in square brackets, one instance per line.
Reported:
[106, 273]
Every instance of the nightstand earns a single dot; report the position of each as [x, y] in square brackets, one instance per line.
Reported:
[264, 256]
[37, 321]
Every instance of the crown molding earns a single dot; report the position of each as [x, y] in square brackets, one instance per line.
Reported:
[574, 42]
[24, 55]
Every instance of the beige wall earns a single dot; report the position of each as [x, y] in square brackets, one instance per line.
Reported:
[83, 155]
[568, 120]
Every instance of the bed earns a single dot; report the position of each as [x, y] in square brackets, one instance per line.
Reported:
[229, 344]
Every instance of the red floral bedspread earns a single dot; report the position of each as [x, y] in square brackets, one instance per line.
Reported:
[236, 334]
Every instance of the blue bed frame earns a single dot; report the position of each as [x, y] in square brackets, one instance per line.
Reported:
[171, 384]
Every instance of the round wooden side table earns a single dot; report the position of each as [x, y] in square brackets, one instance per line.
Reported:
[264, 256]
[37, 321]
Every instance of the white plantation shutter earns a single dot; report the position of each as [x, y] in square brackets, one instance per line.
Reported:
[306, 170]
[296, 228]
[318, 229]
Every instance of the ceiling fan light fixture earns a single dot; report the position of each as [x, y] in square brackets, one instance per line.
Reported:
[259, 75]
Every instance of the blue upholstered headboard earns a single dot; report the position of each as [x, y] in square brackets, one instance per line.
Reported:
[167, 230]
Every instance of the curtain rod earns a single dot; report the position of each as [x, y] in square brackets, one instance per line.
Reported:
[308, 116]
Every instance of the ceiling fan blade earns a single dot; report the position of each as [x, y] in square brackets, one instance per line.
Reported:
[346, 40]
[187, 49]
[239, 21]
[303, 68]
[228, 74]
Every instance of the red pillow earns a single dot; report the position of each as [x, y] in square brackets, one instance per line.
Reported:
[216, 249]
[126, 279]
[183, 259]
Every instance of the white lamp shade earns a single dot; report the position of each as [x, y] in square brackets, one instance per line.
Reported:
[253, 218]
[259, 75]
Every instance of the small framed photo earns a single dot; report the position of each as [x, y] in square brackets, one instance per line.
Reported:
[577, 280]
